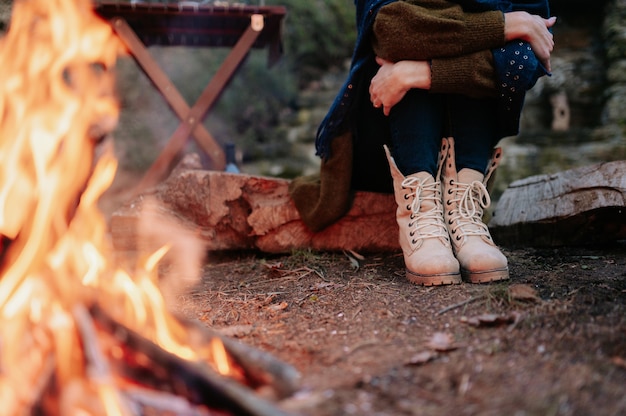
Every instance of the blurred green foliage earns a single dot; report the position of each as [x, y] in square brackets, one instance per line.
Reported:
[318, 35]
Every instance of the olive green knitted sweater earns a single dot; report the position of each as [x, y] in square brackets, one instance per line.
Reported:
[457, 43]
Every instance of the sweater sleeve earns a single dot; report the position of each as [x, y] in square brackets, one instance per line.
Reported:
[472, 75]
[430, 29]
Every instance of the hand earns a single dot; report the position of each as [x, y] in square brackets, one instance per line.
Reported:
[393, 80]
[532, 29]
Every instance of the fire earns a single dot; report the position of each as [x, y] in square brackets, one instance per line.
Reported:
[56, 101]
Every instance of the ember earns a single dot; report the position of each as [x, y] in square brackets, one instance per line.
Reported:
[78, 334]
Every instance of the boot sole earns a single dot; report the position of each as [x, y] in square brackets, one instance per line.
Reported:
[434, 280]
[485, 276]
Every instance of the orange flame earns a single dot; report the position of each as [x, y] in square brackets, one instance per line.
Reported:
[56, 100]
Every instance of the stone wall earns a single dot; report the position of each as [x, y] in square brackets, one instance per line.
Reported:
[580, 82]
[614, 30]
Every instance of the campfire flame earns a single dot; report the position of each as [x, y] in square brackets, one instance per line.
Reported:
[56, 102]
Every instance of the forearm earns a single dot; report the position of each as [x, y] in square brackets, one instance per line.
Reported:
[429, 29]
[472, 75]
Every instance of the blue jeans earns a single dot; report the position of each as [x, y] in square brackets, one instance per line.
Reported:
[421, 120]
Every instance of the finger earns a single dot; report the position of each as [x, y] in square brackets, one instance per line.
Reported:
[551, 21]
[545, 61]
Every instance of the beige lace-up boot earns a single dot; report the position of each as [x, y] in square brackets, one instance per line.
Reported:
[422, 232]
[465, 198]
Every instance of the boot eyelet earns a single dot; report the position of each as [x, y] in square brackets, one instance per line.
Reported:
[406, 196]
[458, 238]
[450, 222]
[450, 192]
[412, 233]
[414, 241]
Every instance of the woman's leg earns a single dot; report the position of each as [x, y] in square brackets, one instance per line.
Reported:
[474, 133]
[417, 123]
[474, 125]
[416, 128]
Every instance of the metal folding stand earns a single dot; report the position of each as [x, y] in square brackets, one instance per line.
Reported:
[192, 24]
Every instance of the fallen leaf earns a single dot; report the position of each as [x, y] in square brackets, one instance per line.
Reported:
[441, 341]
[278, 307]
[490, 319]
[357, 255]
[355, 259]
[323, 285]
[523, 293]
[269, 299]
[274, 266]
[619, 361]
[236, 331]
[422, 357]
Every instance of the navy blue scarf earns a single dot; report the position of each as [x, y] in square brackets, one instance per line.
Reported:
[337, 120]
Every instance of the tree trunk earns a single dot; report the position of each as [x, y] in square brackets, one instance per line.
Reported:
[578, 206]
[239, 211]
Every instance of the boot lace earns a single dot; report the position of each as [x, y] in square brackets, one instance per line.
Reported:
[427, 223]
[472, 199]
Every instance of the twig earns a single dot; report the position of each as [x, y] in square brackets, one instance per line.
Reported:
[162, 402]
[362, 344]
[97, 364]
[458, 305]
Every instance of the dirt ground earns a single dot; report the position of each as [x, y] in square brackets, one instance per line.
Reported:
[550, 341]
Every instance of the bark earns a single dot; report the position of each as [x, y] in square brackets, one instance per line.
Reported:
[239, 211]
[586, 205]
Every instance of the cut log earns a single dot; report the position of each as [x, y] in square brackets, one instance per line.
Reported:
[135, 358]
[239, 211]
[580, 206]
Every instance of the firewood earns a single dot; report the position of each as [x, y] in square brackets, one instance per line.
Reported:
[586, 205]
[96, 362]
[148, 401]
[261, 367]
[239, 211]
[146, 363]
